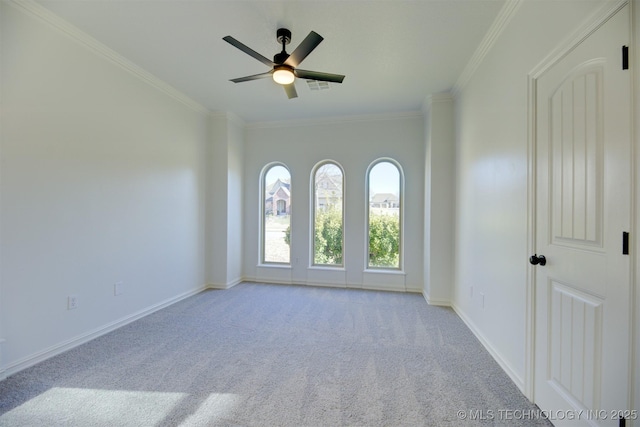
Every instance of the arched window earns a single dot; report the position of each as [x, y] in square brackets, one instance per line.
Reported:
[328, 214]
[276, 214]
[385, 184]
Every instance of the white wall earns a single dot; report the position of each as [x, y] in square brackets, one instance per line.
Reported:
[354, 144]
[216, 233]
[235, 201]
[101, 182]
[491, 165]
[439, 211]
[224, 202]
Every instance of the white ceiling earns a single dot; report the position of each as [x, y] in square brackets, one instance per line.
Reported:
[393, 52]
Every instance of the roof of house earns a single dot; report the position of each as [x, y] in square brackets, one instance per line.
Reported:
[272, 188]
[384, 198]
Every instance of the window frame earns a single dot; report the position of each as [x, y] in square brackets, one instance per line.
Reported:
[401, 181]
[262, 214]
[312, 210]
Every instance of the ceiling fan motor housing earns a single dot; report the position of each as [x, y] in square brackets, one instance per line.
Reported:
[279, 58]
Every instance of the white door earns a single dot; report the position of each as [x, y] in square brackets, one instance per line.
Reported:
[583, 178]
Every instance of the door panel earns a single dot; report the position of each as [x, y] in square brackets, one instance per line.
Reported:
[583, 177]
[575, 126]
[575, 327]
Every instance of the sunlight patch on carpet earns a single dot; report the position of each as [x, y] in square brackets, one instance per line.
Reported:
[76, 406]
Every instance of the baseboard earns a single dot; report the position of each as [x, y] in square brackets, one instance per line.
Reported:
[52, 351]
[372, 287]
[435, 301]
[3, 374]
[323, 284]
[223, 286]
[268, 281]
[414, 289]
[330, 285]
[352, 286]
[492, 351]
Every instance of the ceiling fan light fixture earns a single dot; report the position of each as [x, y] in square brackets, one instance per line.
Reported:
[283, 75]
[284, 67]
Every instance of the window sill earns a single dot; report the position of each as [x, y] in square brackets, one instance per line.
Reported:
[282, 266]
[326, 268]
[384, 271]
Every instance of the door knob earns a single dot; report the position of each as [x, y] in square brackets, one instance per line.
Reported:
[536, 259]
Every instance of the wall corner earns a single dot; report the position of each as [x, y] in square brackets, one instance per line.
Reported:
[439, 197]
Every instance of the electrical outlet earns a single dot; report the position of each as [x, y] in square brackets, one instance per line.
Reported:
[118, 288]
[72, 302]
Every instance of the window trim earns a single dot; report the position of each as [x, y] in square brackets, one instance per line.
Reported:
[312, 212]
[373, 269]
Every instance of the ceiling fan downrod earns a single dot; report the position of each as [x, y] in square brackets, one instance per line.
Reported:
[283, 37]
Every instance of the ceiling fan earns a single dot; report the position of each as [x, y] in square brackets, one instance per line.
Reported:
[284, 66]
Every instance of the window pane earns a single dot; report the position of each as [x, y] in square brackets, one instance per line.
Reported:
[384, 216]
[327, 201]
[277, 215]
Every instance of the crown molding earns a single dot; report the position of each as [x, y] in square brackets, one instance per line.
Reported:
[439, 97]
[436, 98]
[30, 7]
[497, 27]
[336, 120]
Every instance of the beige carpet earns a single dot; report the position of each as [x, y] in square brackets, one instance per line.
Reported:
[274, 355]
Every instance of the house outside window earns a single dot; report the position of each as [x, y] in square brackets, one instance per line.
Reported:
[276, 214]
[384, 215]
[328, 214]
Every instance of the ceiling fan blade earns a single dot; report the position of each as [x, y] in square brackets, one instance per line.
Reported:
[246, 49]
[305, 48]
[290, 89]
[253, 77]
[317, 75]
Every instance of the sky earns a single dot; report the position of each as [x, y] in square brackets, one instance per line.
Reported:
[277, 172]
[384, 178]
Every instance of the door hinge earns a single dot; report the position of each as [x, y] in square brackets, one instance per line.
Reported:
[625, 243]
[625, 57]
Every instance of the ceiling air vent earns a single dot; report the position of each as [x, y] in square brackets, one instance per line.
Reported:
[318, 85]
